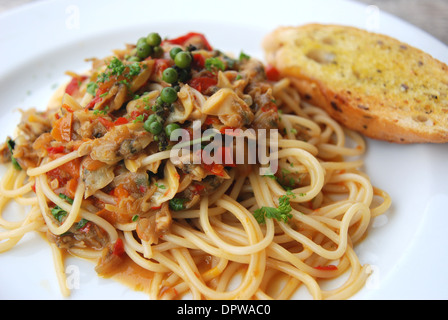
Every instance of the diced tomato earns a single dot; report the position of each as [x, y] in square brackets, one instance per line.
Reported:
[53, 150]
[73, 85]
[65, 172]
[211, 120]
[70, 187]
[215, 169]
[107, 215]
[118, 249]
[268, 107]
[97, 98]
[198, 188]
[120, 121]
[86, 227]
[62, 129]
[160, 65]
[229, 131]
[66, 107]
[202, 83]
[107, 123]
[272, 73]
[199, 60]
[184, 39]
[120, 192]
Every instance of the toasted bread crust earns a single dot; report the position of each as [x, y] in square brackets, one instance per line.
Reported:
[371, 83]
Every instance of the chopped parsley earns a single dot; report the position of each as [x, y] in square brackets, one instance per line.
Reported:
[91, 88]
[58, 213]
[244, 56]
[81, 224]
[281, 213]
[140, 118]
[177, 204]
[134, 69]
[117, 68]
[214, 64]
[101, 112]
[66, 198]
[11, 144]
[160, 186]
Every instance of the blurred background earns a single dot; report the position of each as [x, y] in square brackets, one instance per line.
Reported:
[429, 15]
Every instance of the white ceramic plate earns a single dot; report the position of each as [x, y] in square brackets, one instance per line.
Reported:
[406, 247]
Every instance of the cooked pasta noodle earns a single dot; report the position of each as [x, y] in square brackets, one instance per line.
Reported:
[98, 175]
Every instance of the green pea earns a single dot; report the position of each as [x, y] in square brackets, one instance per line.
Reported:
[168, 95]
[170, 75]
[157, 52]
[152, 118]
[143, 50]
[155, 127]
[183, 60]
[153, 39]
[141, 41]
[174, 52]
[170, 128]
[147, 125]
[134, 59]
[159, 101]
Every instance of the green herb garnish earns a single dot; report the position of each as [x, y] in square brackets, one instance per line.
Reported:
[66, 198]
[177, 204]
[91, 88]
[81, 224]
[214, 64]
[11, 145]
[58, 213]
[281, 213]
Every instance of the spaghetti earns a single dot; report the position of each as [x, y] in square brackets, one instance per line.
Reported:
[97, 173]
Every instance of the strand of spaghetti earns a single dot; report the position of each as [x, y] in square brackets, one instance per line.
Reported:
[30, 223]
[340, 239]
[357, 279]
[247, 220]
[59, 268]
[156, 157]
[11, 176]
[9, 244]
[142, 262]
[277, 252]
[364, 182]
[33, 172]
[74, 210]
[20, 231]
[311, 284]
[102, 223]
[288, 289]
[194, 237]
[312, 127]
[91, 254]
[245, 290]
[384, 206]
[156, 283]
[288, 143]
[44, 192]
[216, 270]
